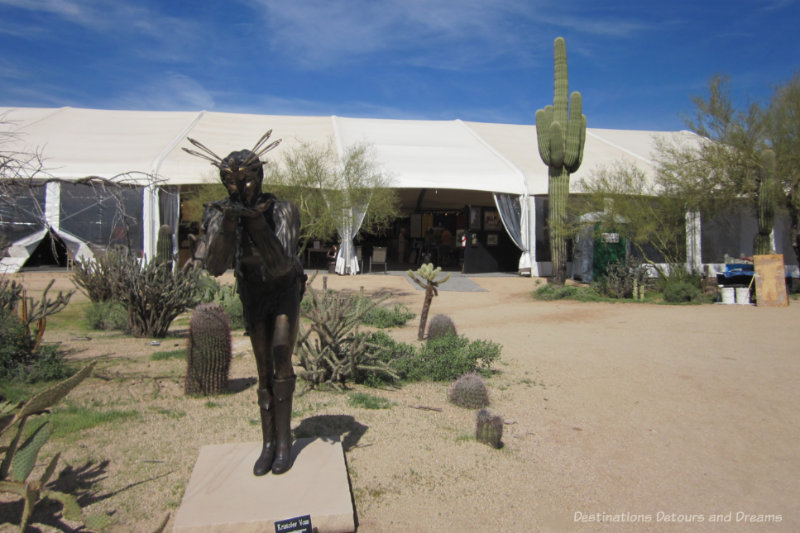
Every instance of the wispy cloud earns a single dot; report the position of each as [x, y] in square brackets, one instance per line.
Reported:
[323, 34]
[173, 92]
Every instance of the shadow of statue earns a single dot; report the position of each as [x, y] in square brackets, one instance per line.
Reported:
[237, 385]
[331, 427]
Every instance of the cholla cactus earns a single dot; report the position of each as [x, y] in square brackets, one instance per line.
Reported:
[425, 277]
[441, 326]
[469, 391]
[489, 428]
[208, 351]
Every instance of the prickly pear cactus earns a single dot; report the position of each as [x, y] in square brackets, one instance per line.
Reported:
[441, 326]
[489, 428]
[469, 391]
[561, 134]
[208, 351]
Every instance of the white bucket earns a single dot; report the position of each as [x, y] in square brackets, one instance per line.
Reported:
[727, 295]
[743, 295]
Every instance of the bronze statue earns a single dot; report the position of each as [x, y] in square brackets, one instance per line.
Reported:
[259, 233]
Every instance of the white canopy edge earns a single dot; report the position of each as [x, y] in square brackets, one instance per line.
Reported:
[145, 146]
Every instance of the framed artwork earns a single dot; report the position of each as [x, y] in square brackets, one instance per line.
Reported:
[491, 221]
[474, 218]
[492, 239]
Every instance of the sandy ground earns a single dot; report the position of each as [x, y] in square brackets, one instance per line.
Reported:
[619, 417]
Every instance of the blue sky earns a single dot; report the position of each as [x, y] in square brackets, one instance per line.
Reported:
[637, 63]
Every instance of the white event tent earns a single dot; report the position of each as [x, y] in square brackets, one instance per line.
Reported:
[143, 150]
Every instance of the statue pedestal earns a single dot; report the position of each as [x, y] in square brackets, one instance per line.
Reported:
[224, 495]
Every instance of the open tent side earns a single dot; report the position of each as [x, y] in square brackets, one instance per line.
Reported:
[434, 163]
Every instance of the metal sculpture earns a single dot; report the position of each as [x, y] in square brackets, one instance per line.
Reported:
[258, 234]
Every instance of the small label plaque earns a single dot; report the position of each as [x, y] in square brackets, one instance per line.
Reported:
[300, 524]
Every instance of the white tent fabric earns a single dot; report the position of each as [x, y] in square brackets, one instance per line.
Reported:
[145, 146]
[77, 143]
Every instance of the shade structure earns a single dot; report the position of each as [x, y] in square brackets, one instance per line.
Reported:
[449, 157]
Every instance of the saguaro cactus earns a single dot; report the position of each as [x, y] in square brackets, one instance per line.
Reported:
[766, 203]
[561, 134]
[208, 351]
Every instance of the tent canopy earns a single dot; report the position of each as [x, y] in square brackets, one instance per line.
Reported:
[77, 143]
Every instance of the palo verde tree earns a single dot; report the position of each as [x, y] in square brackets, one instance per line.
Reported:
[783, 134]
[333, 192]
[561, 134]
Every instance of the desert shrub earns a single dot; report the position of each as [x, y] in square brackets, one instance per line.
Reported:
[440, 326]
[23, 320]
[107, 315]
[227, 297]
[469, 391]
[21, 360]
[98, 277]
[681, 292]
[447, 358]
[550, 291]
[385, 317]
[624, 278]
[152, 293]
[388, 351]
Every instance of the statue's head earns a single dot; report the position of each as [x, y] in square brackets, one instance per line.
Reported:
[242, 171]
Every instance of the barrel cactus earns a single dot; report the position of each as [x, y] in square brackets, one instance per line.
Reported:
[469, 391]
[561, 135]
[441, 326]
[489, 428]
[208, 351]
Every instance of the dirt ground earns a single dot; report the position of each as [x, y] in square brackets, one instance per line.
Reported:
[619, 417]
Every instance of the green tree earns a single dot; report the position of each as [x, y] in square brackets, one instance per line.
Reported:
[648, 212]
[728, 163]
[783, 132]
[328, 189]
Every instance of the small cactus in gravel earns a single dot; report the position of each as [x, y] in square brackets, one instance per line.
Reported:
[440, 326]
[489, 428]
[208, 351]
[469, 391]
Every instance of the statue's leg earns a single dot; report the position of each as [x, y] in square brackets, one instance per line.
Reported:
[285, 335]
[261, 339]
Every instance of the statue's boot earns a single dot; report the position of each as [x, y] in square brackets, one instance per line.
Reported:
[264, 461]
[283, 390]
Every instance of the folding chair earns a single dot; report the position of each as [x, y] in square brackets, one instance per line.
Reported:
[378, 258]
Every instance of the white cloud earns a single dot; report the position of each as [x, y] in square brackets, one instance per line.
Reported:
[320, 33]
[173, 92]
